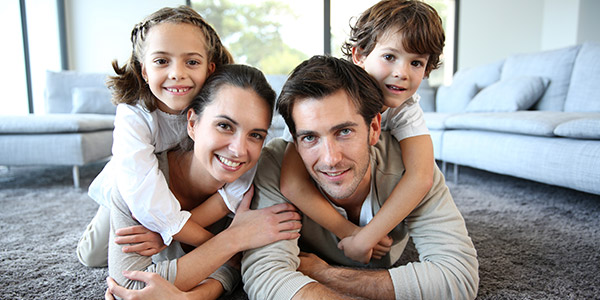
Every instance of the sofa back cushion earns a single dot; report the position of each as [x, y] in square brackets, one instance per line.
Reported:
[60, 85]
[556, 65]
[465, 85]
[584, 91]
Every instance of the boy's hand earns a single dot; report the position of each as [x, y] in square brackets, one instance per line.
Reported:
[143, 241]
[358, 250]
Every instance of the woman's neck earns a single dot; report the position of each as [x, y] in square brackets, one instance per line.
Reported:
[189, 185]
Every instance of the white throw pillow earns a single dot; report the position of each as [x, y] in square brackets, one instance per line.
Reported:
[92, 100]
[511, 94]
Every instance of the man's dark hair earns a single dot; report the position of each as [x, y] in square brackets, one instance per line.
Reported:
[321, 76]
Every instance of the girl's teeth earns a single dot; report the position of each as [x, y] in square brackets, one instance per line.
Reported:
[228, 162]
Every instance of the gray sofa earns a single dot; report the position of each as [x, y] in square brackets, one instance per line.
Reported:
[75, 130]
[534, 116]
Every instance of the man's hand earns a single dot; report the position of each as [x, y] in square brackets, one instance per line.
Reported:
[156, 288]
[312, 265]
[144, 241]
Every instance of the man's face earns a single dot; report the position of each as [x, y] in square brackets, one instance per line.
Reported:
[334, 143]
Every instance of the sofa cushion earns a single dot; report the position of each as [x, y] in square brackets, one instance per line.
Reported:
[92, 100]
[584, 128]
[55, 123]
[556, 65]
[59, 88]
[540, 123]
[510, 94]
[436, 121]
[584, 90]
[465, 84]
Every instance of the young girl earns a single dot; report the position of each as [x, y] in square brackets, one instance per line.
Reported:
[174, 51]
[398, 43]
[227, 124]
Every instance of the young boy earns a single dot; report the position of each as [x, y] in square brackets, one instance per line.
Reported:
[398, 42]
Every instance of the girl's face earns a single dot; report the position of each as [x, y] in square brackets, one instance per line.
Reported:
[229, 135]
[398, 72]
[175, 64]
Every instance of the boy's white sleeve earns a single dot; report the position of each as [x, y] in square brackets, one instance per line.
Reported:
[405, 121]
[232, 193]
[140, 182]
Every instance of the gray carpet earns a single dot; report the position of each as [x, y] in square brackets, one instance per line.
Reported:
[534, 241]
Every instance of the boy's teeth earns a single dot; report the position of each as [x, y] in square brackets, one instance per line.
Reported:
[228, 162]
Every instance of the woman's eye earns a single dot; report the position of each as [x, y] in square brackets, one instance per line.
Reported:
[257, 136]
[224, 126]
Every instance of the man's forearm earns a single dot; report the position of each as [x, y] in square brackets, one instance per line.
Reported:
[316, 291]
[369, 284]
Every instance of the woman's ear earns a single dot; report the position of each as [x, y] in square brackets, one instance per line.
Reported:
[191, 121]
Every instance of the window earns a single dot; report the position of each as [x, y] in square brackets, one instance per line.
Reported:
[275, 36]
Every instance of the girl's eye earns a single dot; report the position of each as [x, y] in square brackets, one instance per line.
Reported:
[193, 62]
[160, 61]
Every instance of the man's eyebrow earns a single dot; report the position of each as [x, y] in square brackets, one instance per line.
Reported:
[343, 125]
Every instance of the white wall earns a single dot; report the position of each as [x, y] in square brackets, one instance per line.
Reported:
[98, 31]
[490, 30]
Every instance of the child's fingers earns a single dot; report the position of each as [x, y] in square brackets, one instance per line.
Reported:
[137, 229]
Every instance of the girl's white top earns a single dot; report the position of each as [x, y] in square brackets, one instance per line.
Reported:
[133, 169]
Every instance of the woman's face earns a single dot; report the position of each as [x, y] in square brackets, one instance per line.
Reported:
[229, 135]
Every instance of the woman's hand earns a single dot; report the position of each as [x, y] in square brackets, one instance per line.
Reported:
[257, 228]
[142, 240]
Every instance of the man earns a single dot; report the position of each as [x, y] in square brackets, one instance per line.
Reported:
[332, 110]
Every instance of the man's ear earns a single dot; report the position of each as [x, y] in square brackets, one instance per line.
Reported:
[357, 57]
[191, 121]
[375, 131]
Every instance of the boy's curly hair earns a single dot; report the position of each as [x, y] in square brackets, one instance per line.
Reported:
[418, 22]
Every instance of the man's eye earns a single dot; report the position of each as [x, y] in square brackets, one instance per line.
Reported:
[308, 138]
[344, 132]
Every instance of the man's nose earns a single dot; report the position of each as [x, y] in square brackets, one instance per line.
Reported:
[332, 154]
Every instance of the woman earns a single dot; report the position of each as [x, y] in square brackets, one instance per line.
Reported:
[227, 125]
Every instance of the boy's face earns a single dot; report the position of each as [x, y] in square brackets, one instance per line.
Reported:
[398, 72]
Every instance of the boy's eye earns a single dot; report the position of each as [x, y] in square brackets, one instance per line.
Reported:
[417, 63]
[388, 57]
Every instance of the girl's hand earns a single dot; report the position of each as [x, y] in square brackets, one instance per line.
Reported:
[143, 241]
[257, 228]
[356, 249]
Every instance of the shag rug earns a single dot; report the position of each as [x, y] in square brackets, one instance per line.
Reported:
[534, 241]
